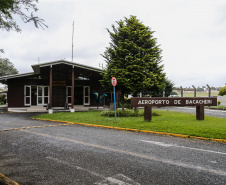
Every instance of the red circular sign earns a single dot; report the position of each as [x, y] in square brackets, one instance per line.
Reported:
[114, 81]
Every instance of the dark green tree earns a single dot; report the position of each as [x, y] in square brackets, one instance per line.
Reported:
[7, 67]
[134, 58]
[199, 89]
[159, 92]
[168, 87]
[23, 8]
[222, 91]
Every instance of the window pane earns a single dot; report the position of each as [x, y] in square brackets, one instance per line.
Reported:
[27, 91]
[27, 100]
[69, 99]
[86, 99]
[46, 100]
[39, 100]
[39, 91]
[86, 91]
[69, 91]
[46, 93]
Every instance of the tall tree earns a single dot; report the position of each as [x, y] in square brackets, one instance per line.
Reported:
[7, 67]
[168, 87]
[134, 58]
[21, 8]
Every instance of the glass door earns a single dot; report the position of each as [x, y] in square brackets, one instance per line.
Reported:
[42, 95]
[68, 93]
[86, 95]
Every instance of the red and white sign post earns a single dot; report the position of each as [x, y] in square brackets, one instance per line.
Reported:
[114, 83]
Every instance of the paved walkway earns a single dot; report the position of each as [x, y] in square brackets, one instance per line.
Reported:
[78, 108]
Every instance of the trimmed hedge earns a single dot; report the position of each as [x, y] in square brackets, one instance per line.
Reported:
[126, 113]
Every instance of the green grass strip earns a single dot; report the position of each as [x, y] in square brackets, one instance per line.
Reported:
[169, 122]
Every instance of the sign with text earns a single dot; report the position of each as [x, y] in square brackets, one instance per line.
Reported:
[148, 103]
[114, 81]
[202, 101]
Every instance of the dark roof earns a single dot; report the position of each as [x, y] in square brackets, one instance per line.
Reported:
[36, 68]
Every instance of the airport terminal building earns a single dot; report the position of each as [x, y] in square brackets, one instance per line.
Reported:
[54, 84]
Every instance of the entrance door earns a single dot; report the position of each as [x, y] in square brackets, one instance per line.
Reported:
[78, 100]
[33, 95]
[42, 95]
[86, 97]
[59, 96]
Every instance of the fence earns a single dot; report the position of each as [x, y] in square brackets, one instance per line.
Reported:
[194, 89]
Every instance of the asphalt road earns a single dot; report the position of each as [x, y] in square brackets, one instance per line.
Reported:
[76, 154]
[207, 112]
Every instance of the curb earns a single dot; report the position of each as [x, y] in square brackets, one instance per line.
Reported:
[137, 130]
[212, 108]
[6, 181]
[10, 129]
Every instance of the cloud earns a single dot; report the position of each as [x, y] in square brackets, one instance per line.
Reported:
[191, 34]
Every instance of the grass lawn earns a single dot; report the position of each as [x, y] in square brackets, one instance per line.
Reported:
[199, 94]
[168, 121]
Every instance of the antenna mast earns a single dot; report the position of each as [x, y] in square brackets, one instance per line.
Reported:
[72, 41]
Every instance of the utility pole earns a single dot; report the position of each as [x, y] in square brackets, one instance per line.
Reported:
[72, 41]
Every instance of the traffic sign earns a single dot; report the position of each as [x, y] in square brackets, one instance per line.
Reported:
[114, 81]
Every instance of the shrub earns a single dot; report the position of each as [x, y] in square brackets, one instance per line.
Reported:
[2, 98]
[219, 103]
[222, 91]
[127, 103]
[126, 113]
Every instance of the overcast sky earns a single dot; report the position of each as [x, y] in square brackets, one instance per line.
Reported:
[191, 33]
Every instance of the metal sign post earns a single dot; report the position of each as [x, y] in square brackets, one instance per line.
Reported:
[114, 83]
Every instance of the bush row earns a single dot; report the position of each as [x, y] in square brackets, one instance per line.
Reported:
[125, 113]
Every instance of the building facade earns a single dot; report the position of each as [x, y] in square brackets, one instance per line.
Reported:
[54, 84]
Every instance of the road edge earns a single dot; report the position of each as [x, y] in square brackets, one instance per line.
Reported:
[137, 130]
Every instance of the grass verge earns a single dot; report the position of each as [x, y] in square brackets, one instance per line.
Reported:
[169, 122]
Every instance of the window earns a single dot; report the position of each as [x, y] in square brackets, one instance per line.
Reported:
[68, 95]
[86, 95]
[27, 95]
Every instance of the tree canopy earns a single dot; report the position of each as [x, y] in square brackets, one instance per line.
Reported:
[222, 91]
[168, 87]
[134, 58]
[21, 8]
[7, 67]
